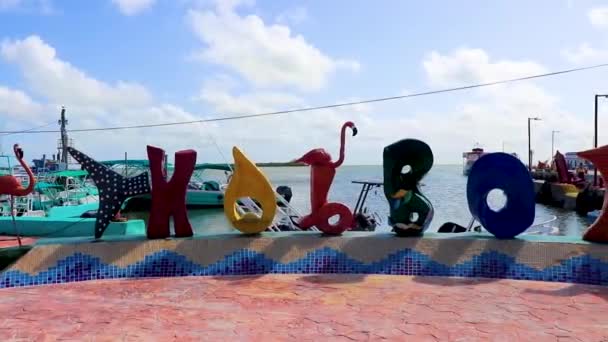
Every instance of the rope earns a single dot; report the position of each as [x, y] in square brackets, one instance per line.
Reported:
[14, 221]
[218, 148]
[307, 109]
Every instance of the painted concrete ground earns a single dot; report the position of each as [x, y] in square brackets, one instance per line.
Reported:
[11, 241]
[305, 307]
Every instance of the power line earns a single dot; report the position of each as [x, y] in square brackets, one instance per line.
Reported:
[29, 130]
[308, 109]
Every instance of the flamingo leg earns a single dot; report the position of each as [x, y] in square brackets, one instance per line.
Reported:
[14, 221]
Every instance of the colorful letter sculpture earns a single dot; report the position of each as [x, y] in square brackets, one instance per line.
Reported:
[249, 181]
[598, 231]
[505, 172]
[169, 198]
[410, 211]
[322, 172]
[113, 188]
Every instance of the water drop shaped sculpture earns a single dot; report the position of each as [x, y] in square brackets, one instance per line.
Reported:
[249, 181]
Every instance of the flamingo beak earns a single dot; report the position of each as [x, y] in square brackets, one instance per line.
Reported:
[354, 128]
[18, 151]
[400, 194]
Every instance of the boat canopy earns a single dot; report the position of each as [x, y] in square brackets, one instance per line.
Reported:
[44, 185]
[144, 163]
[130, 162]
[69, 173]
[133, 162]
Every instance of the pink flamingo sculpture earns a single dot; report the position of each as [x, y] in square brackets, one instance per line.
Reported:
[9, 185]
[322, 172]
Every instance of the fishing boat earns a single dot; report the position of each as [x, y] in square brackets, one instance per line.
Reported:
[205, 189]
[63, 204]
[68, 187]
[58, 221]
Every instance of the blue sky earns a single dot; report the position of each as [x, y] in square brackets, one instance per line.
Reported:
[123, 62]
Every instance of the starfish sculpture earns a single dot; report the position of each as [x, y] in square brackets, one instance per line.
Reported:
[114, 188]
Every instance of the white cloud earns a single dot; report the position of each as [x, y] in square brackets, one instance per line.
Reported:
[281, 137]
[17, 105]
[226, 103]
[294, 16]
[62, 83]
[133, 7]
[599, 17]
[489, 115]
[469, 66]
[267, 55]
[497, 113]
[92, 103]
[585, 53]
[36, 6]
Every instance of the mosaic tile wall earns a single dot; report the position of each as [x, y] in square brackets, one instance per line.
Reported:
[303, 253]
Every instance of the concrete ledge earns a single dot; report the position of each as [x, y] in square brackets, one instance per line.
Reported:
[547, 258]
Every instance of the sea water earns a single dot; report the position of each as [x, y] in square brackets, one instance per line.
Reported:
[444, 185]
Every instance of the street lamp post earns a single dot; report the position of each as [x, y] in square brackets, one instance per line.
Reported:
[529, 144]
[595, 137]
[553, 143]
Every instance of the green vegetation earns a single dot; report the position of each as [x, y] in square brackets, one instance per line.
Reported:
[288, 164]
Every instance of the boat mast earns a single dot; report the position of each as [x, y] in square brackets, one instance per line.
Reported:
[64, 137]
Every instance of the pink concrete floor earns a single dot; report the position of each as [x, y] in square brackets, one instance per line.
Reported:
[11, 241]
[305, 308]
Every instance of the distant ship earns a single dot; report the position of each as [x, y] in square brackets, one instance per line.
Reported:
[472, 156]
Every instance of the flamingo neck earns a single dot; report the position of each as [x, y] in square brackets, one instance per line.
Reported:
[30, 174]
[342, 142]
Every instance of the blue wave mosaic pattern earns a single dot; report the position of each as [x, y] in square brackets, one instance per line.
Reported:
[165, 263]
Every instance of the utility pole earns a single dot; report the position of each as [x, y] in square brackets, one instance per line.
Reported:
[64, 137]
[530, 143]
[529, 148]
[595, 137]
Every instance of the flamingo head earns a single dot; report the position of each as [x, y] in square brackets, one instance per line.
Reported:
[352, 126]
[18, 151]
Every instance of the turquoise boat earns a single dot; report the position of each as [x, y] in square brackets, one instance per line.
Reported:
[59, 221]
[67, 187]
[204, 190]
[32, 226]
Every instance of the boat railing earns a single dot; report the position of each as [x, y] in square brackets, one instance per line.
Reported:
[286, 213]
[367, 186]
